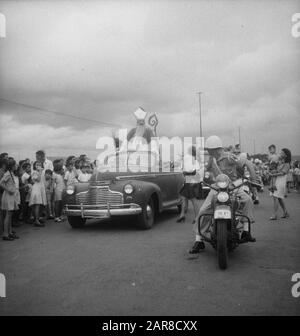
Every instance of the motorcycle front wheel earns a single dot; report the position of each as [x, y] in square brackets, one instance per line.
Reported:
[222, 250]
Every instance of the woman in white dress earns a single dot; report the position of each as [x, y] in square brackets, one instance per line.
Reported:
[280, 183]
[191, 189]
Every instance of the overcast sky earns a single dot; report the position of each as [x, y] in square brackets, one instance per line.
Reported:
[102, 59]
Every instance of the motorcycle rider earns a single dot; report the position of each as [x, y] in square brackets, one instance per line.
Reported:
[226, 163]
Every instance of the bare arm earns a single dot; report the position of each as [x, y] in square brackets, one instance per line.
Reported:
[251, 170]
[3, 185]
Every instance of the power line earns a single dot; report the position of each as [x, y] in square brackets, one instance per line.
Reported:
[59, 113]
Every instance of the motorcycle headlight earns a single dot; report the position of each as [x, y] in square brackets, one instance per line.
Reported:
[247, 175]
[223, 197]
[128, 189]
[206, 175]
[70, 190]
[222, 181]
[222, 184]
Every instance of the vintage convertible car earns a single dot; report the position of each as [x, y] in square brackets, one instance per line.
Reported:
[125, 192]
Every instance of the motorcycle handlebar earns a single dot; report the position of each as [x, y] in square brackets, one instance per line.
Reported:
[209, 185]
[235, 187]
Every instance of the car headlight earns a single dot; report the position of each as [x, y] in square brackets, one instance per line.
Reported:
[70, 190]
[128, 189]
[223, 197]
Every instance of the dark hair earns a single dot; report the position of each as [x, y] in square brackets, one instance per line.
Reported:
[40, 153]
[2, 155]
[21, 163]
[35, 163]
[69, 163]
[288, 155]
[81, 163]
[3, 163]
[272, 146]
[48, 172]
[70, 159]
[25, 165]
[77, 164]
[10, 164]
[57, 165]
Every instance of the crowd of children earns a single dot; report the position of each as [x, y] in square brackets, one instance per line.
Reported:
[32, 192]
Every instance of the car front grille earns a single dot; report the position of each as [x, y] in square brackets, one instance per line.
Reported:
[99, 196]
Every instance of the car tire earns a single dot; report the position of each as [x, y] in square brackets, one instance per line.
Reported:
[145, 220]
[76, 222]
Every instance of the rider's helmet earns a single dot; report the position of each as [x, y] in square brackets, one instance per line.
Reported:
[213, 142]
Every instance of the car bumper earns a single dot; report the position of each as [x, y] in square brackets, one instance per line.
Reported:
[102, 211]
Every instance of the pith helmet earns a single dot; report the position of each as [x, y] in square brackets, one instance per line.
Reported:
[213, 142]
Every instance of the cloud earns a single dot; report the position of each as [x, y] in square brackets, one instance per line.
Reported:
[25, 139]
[102, 60]
[267, 72]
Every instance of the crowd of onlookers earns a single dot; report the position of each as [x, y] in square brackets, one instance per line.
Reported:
[264, 167]
[281, 174]
[31, 192]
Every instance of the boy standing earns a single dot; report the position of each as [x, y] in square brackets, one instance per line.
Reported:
[26, 189]
[49, 186]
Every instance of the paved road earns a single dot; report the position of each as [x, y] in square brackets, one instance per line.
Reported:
[114, 269]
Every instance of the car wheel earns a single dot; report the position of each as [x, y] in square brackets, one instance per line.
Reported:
[146, 219]
[76, 222]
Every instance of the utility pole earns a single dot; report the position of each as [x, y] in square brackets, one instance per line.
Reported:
[200, 112]
[240, 138]
[254, 146]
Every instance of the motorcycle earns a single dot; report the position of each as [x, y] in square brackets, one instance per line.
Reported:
[225, 229]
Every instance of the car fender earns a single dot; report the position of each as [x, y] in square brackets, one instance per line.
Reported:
[143, 190]
[79, 187]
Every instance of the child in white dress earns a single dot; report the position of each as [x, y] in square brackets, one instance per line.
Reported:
[59, 186]
[10, 199]
[38, 193]
[85, 174]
